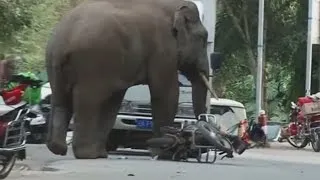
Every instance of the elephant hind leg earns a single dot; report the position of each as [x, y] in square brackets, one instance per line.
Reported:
[109, 114]
[93, 120]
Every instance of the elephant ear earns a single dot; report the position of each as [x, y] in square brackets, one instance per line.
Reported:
[185, 16]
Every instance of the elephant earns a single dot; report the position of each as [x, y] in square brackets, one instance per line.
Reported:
[102, 47]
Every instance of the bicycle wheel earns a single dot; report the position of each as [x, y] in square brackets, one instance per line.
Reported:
[7, 162]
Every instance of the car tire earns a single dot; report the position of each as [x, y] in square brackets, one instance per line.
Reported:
[111, 146]
[113, 141]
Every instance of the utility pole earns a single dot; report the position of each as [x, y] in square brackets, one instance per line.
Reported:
[209, 21]
[309, 50]
[260, 57]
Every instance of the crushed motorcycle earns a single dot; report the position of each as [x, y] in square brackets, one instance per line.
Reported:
[202, 140]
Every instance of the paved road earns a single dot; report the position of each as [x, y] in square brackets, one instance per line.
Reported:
[278, 163]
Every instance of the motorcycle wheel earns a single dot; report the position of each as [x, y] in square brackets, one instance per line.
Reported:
[162, 142]
[316, 144]
[111, 146]
[212, 135]
[8, 161]
[157, 148]
[303, 144]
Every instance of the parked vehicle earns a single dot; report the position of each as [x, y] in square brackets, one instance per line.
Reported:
[304, 127]
[12, 135]
[13, 112]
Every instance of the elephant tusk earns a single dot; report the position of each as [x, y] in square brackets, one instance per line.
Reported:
[207, 84]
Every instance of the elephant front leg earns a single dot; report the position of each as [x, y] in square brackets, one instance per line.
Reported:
[58, 126]
[164, 101]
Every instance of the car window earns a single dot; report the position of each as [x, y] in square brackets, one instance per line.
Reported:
[228, 116]
[220, 109]
[183, 81]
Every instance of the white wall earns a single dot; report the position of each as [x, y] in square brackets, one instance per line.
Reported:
[200, 8]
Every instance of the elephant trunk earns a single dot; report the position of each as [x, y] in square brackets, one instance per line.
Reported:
[198, 75]
[200, 87]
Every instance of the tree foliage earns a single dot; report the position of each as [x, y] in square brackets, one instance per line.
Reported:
[285, 35]
[14, 16]
[27, 26]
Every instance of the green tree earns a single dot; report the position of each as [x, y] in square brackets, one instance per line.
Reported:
[236, 38]
[14, 16]
[30, 30]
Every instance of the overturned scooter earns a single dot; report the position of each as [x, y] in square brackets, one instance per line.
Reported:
[195, 139]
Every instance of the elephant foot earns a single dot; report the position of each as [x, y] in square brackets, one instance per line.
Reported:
[58, 148]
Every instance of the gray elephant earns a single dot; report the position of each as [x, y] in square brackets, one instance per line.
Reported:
[103, 47]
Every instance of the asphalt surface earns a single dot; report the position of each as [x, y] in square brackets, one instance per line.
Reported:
[278, 163]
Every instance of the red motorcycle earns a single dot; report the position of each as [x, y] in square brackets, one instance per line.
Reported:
[13, 113]
[304, 126]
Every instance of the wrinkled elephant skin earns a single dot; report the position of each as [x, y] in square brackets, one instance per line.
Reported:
[101, 48]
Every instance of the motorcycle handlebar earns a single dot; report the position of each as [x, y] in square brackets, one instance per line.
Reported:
[26, 80]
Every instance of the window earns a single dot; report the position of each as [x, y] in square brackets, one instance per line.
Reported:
[220, 109]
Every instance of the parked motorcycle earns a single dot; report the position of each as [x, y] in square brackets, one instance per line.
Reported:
[13, 112]
[304, 126]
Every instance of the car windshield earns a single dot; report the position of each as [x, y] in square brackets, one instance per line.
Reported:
[183, 81]
[228, 116]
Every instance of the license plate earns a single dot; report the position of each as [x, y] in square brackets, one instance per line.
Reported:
[144, 123]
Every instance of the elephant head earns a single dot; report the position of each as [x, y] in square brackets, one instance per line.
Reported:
[191, 37]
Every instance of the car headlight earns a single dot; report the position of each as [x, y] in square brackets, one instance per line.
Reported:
[185, 111]
[127, 107]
